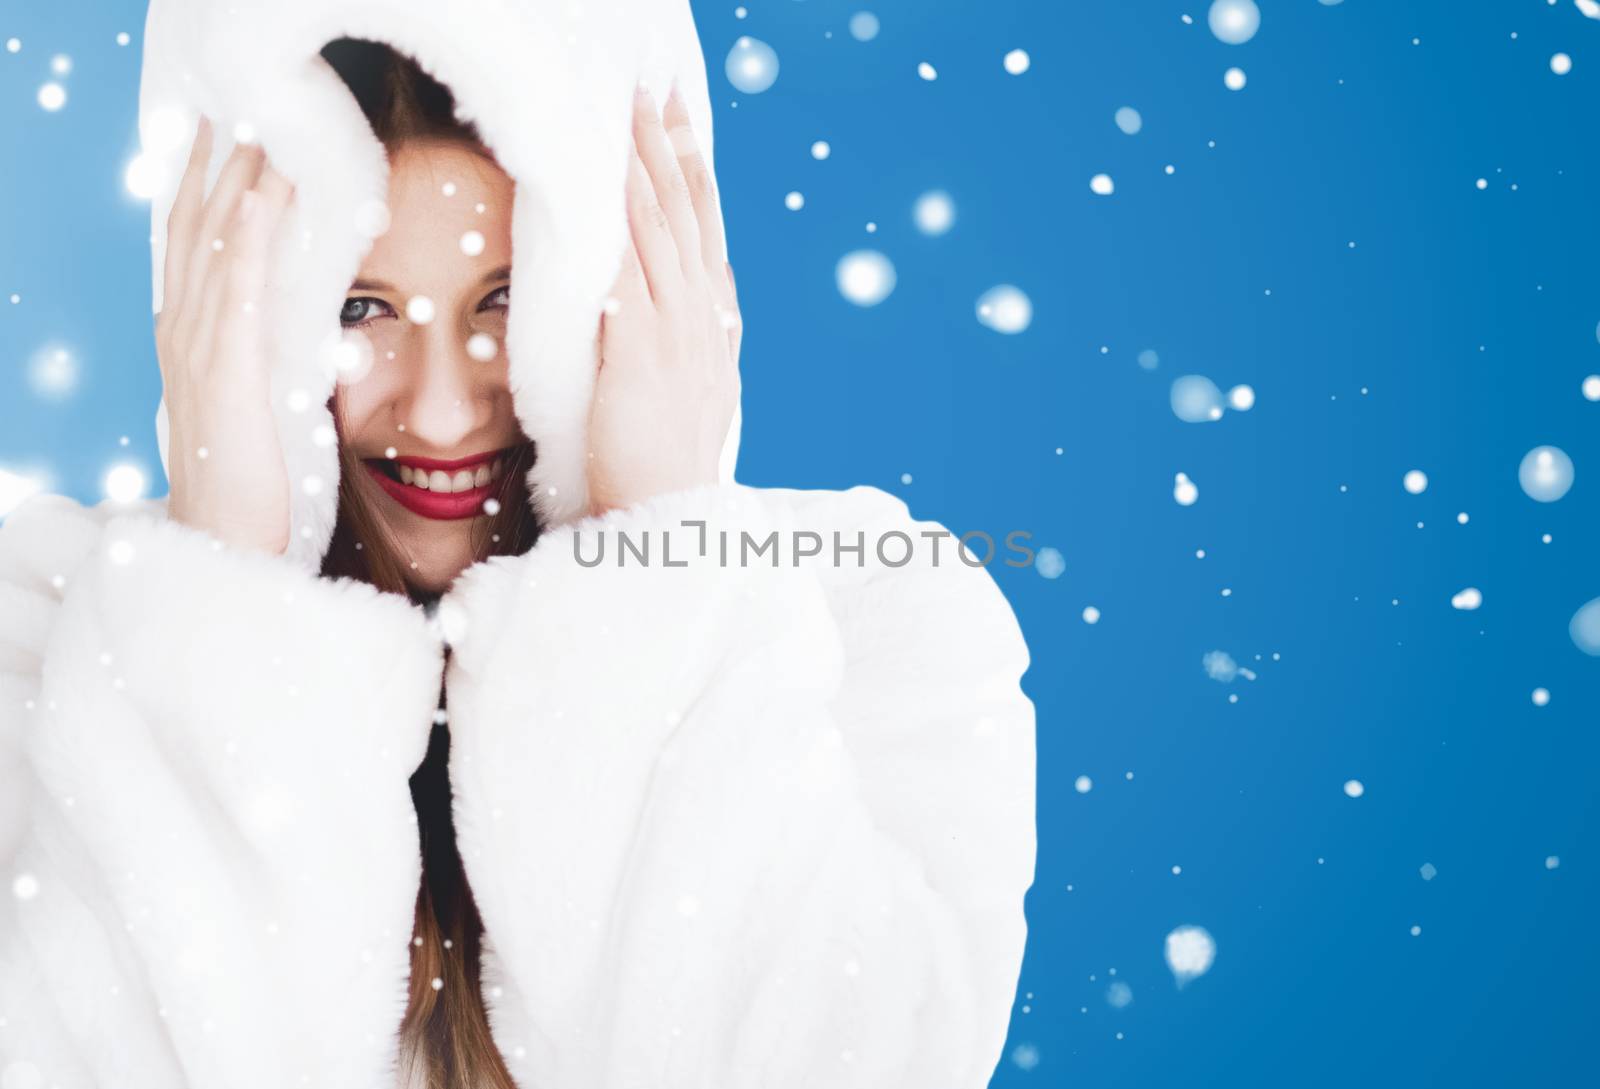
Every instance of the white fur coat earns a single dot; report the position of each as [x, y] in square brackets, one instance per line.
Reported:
[727, 826]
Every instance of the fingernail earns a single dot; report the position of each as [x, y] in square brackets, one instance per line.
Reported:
[641, 91]
[248, 201]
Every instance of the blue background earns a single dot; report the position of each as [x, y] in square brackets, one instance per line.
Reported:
[1452, 338]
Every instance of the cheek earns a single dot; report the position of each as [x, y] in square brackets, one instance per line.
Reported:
[380, 381]
[387, 342]
[492, 322]
[360, 406]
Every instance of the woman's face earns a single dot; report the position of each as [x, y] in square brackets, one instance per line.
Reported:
[435, 409]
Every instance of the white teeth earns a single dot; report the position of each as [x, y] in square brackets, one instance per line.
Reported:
[460, 481]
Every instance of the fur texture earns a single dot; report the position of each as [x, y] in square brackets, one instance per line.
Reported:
[213, 878]
[727, 825]
[771, 826]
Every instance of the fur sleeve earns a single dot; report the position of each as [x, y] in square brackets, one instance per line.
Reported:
[210, 852]
[742, 825]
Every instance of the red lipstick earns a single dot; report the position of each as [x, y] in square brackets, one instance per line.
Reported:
[431, 464]
[432, 504]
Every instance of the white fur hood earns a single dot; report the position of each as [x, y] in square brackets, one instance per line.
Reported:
[549, 83]
[728, 824]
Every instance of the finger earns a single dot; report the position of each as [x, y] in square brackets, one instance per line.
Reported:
[277, 192]
[255, 226]
[220, 311]
[238, 174]
[652, 234]
[184, 218]
[697, 175]
[629, 293]
[236, 288]
[734, 320]
[672, 189]
[631, 284]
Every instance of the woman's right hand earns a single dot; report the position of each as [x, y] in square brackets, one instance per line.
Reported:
[225, 462]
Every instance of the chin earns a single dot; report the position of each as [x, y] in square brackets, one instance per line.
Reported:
[442, 550]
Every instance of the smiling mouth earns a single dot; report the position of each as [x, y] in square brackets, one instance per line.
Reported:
[444, 478]
[445, 490]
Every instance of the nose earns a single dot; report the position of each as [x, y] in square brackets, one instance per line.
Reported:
[451, 396]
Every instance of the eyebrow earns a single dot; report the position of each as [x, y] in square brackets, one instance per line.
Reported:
[501, 273]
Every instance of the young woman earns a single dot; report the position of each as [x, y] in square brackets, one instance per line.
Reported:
[691, 821]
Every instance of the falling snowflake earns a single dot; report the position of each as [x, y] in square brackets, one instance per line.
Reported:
[1220, 666]
[1190, 952]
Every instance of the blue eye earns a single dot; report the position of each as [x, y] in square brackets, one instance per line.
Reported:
[356, 311]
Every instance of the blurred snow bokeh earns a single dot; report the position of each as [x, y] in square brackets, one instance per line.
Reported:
[934, 213]
[1234, 21]
[1049, 562]
[752, 65]
[1545, 473]
[1184, 490]
[1196, 399]
[1005, 308]
[865, 277]
[53, 372]
[1190, 952]
[124, 483]
[864, 26]
[1585, 628]
[1220, 666]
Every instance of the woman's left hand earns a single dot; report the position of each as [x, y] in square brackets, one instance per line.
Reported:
[668, 381]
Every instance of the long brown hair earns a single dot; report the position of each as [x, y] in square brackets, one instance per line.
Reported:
[445, 1032]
